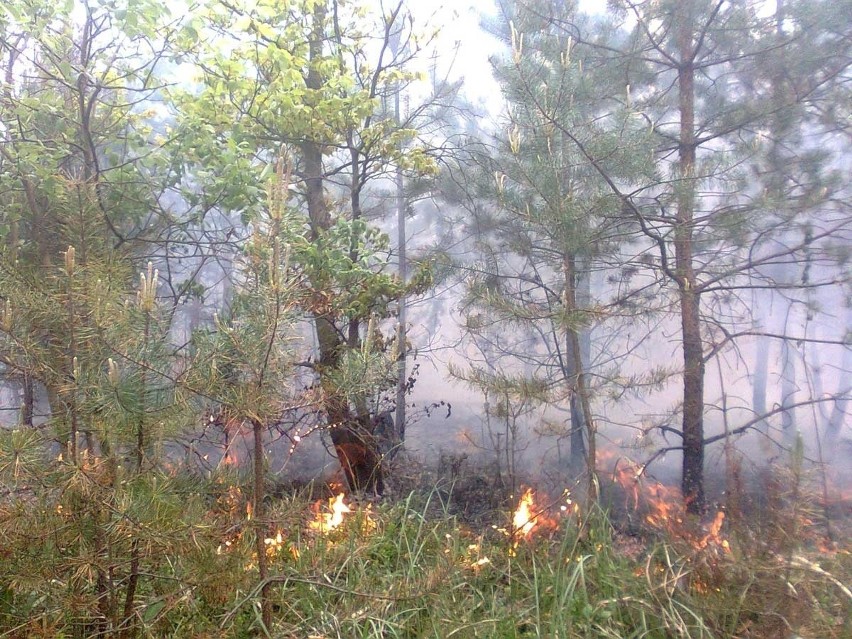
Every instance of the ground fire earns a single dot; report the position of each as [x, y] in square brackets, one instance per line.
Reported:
[330, 520]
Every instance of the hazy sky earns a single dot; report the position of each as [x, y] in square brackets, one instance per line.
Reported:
[460, 31]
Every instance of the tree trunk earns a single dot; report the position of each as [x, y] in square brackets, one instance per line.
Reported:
[578, 459]
[584, 300]
[401, 336]
[841, 404]
[761, 360]
[579, 426]
[692, 482]
[788, 390]
[354, 444]
[259, 512]
[28, 404]
[582, 422]
[776, 187]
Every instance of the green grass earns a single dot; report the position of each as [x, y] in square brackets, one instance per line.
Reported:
[398, 573]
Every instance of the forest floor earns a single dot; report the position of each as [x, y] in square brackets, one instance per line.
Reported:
[467, 559]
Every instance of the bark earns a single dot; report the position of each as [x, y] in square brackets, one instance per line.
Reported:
[351, 435]
[779, 128]
[761, 361]
[576, 295]
[584, 300]
[259, 512]
[574, 366]
[788, 390]
[402, 378]
[129, 623]
[692, 482]
[72, 356]
[582, 422]
[578, 458]
[28, 404]
[354, 336]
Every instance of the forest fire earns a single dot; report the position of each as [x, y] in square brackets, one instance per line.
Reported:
[331, 517]
[325, 522]
[713, 536]
[665, 508]
[275, 545]
[524, 520]
[528, 516]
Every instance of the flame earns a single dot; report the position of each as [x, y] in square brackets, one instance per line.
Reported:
[475, 559]
[528, 517]
[325, 522]
[336, 486]
[275, 544]
[664, 506]
[523, 520]
[713, 536]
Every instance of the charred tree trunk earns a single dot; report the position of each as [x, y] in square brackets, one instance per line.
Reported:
[354, 444]
[692, 482]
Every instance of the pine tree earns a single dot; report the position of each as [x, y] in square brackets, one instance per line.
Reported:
[702, 78]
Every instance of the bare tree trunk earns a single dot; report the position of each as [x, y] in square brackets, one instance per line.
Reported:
[582, 422]
[259, 512]
[354, 444]
[838, 413]
[761, 359]
[28, 403]
[402, 373]
[692, 481]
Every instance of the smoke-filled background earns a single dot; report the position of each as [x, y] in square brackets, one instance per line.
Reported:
[558, 158]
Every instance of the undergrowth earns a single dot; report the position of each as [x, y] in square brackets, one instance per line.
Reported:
[391, 571]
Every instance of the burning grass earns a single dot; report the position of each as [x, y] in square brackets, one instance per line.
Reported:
[343, 569]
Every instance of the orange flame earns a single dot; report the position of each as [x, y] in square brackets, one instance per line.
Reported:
[524, 520]
[528, 517]
[325, 522]
[713, 536]
[666, 508]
